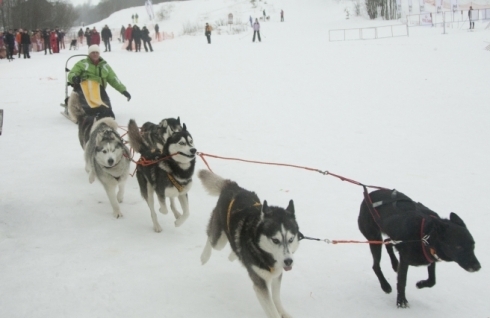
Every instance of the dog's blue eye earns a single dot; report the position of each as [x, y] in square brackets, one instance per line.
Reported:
[181, 143]
[275, 241]
[291, 240]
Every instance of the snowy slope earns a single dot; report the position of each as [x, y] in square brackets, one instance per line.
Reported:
[408, 113]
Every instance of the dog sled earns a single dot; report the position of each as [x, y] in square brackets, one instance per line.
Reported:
[65, 103]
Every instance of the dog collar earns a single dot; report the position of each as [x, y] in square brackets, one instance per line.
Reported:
[176, 184]
[429, 252]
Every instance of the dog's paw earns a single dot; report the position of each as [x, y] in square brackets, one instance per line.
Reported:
[157, 228]
[232, 257]
[120, 197]
[180, 220]
[285, 315]
[163, 210]
[424, 284]
[402, 302]
[117, 214]
[386, 287]
[91, 177]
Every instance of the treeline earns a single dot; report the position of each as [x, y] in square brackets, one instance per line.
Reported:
[40, 14]
[36, 14]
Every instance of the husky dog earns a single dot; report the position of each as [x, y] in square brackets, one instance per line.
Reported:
[263, 238]
[424, 238]
[154, 136]
[169, 178]
[107, 159]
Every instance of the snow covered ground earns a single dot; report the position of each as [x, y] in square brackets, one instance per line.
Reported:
[406, 113]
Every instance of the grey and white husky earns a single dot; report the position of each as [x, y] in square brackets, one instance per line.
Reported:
[107, 159]
[263, 237]
[170, 178]
[154, 136]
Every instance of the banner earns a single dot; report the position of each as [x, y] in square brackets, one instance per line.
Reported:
[149, 9]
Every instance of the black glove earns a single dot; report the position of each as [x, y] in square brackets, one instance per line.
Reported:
[125, 93]
[76, 80]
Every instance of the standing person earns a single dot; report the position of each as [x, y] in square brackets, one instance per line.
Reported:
[264, 14]
[136, 18]
[470, 17]
[62, 39]
[129, 37]
[282, 15]
[53, 39]
[89, 78]
[25, 41]
[145, 33]
[47, 44]
[18, 38]
[122, 34]
[58, 37]
[137, 38]
[107, 37]
[157, 32]
[87, 35]
[256, 30]
[251, 22]
[207, 32]
[10, 42]
[94, 37]
[80, 36]
[132, 19]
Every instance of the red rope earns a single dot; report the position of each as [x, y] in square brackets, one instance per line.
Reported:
[202, 155]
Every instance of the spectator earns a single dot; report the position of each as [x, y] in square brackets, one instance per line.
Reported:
[256, 30]
[47, 45]
[282, 15]
[470, 17]
[145, 36]
[25, 41]
[18, 37]
[157, 32]
[207, 32]
[137, 38]
[80, 36]
[3, 49]
[129, 37]
[61, 38]
[106, 37]
[136, 18]
[53, 39]
[122, 34]
[10, 43]
[251, 22]
[87, 35]
[94, 37]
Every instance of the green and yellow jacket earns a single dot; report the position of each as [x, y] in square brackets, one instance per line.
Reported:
[101, 73]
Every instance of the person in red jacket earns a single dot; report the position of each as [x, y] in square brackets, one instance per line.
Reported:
[53, 40]
[95, 38]
[129, 36]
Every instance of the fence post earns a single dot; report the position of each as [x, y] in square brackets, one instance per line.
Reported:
[408, 34]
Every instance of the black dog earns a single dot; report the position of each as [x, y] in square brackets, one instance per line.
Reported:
[424, 238]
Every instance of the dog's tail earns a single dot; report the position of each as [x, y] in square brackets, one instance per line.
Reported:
[213, 183]
[75, 109]
[135, 139]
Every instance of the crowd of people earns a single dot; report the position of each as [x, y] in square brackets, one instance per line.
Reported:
[22, 41]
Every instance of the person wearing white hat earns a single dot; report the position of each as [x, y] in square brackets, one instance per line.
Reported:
[89, 78]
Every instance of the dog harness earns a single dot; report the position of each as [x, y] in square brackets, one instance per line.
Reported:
[428, 251]
[176, 184]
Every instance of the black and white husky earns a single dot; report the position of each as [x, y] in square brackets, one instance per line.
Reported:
[170, 178]
[263, 237]
[154, 136]
[106, 156]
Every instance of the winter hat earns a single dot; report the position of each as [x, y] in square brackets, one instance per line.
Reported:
[93, 48]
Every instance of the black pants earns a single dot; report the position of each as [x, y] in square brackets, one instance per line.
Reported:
[10, 52]
[107, 45]
[25, 50]
[47, 46]
[20, 46]
[258, 35]
[99, 112]
[472, 24]
[137, 45]
[130, 44]
[149, 44]
[208, 36]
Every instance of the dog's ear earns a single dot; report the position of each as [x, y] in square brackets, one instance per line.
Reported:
[164, 123]
[265, 209]
[98, 139]
[453, 217]
[184, 128]
[290, 207]
[178, 120]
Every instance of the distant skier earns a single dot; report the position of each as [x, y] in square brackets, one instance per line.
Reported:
[256, 30]
[207, 32]
[251, 22]
[282, 15]
[264, 14]
[470, 17]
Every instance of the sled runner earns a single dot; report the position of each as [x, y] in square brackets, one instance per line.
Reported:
[65, 103]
